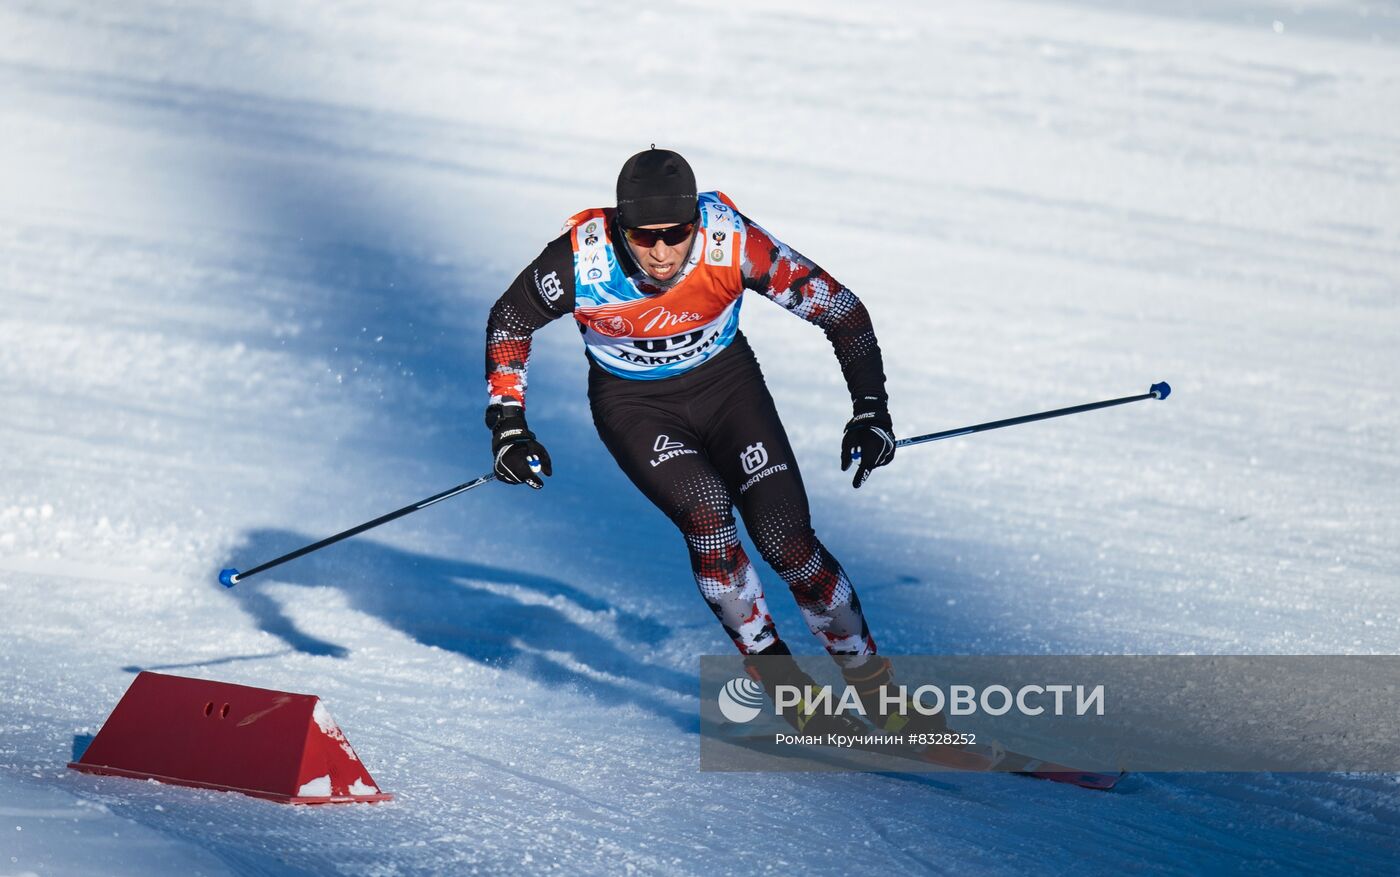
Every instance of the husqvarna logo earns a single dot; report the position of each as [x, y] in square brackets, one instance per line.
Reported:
[755, 460]
[549, 285]
[754, 457]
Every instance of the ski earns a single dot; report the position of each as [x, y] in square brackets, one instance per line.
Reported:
[981, 758]
[1018, 763]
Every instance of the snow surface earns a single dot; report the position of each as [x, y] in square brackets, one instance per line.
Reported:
[248, 251]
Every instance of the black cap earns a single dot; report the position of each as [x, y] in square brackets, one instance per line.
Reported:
[656, 186]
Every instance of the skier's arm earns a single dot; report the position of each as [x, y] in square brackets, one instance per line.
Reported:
[776, 271]
[542, 293]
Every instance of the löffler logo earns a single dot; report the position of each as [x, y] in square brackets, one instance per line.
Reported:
[668, 448]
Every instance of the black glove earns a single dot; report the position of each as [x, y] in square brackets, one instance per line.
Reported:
[869, 439]
[519, 458]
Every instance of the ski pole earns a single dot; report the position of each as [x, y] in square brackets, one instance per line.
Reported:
[230, 577]
[1157, 391]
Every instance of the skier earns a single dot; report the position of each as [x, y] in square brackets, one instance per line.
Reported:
[655, 286]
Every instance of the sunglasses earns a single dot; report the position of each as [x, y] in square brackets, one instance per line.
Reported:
[670, 236]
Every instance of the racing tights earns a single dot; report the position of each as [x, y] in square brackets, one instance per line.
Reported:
[703, 442]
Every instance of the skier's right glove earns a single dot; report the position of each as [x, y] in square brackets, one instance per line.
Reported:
[869, 438]
[519, 457]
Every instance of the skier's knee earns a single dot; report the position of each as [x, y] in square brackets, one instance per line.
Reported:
[703, 518]
[789, 550]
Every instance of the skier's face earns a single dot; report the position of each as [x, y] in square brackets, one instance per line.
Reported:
[660, 260]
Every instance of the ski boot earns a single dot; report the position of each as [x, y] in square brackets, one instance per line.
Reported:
[869, 676]
[778, 667]
[928, 735]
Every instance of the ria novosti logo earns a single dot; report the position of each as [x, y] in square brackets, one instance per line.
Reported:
[741, 700]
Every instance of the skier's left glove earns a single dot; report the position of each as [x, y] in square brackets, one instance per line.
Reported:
[519, 457]
[869, 439]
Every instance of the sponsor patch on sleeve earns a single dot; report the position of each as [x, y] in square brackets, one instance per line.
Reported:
[592, 252]
[719, 235]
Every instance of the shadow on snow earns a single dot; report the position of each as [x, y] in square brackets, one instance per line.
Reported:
[539, 626]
